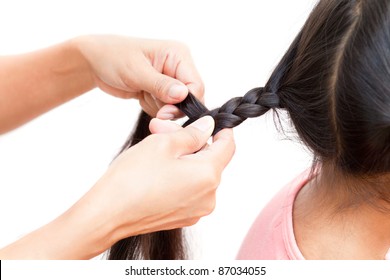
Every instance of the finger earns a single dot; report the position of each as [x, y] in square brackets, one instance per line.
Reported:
[169, 112]
[180, 65]
[163, 126]
[193, 137]
[188, 74]
[115, 91]
[387, 256]
[221, 151]
[163, 87]
[205, 147]
[146, 106]
[151, 102]
[159, 103]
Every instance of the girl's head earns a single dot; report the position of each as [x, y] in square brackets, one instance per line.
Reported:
[336, 85]
[334, 81]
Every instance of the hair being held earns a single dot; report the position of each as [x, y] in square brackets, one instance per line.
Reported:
[334, 83]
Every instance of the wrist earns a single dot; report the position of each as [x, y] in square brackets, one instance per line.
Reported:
[77, 45]
[89, 230]
[66, 237]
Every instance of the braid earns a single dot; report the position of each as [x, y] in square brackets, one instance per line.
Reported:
[254, 103]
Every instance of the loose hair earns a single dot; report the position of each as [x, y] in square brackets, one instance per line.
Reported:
[334, 83]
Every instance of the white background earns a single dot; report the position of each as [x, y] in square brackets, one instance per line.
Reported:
[47, 164]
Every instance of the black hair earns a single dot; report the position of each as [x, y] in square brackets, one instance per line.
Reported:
[161, 245]
[334, 83]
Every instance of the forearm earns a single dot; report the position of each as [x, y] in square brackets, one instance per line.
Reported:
[67, 237]
[33, 83]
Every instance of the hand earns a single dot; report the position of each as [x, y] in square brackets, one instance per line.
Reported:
[167, 181]
[163, 182]
[155, 72]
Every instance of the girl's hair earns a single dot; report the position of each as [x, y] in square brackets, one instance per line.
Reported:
[161, 245]
[334, 83]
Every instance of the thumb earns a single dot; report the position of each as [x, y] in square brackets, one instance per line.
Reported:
[163, 87]
[193, 137]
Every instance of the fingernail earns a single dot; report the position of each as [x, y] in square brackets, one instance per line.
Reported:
[204, 124]
[167, 113]
[166, 116]
[387, 256]
[177, 91]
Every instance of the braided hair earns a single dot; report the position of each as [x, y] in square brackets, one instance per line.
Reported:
[334, 83]
[254, 103]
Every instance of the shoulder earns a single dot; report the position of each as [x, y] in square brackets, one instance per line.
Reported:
[271, 235]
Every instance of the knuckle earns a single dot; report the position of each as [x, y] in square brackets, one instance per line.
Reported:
[194, 139]
[192, 221]
[210, 206]
[163, 142]
[176, 49]
[124, 79]
[197, 89]
[179, 46]
[160, 86]
[160, 142]
[212, 177]
[127, 75]
[232, 147]
[150, 140]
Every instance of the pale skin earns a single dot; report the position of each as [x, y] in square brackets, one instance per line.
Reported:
[126, 200]
[327, 226]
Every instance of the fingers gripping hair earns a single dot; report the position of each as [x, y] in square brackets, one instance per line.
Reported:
[254, 103]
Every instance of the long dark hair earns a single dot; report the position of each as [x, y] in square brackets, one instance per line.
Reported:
[161, 245]
[334, 83]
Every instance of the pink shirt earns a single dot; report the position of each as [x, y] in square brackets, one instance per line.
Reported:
[271, 237]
